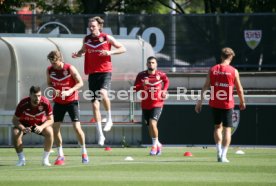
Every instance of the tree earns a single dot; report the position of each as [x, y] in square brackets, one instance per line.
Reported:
[9, 7]
[123, 6]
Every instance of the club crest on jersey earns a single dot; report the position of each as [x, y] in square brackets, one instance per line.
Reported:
[101, 39]
[157, 77]
[65, 73]
[236, 120]
[40, 108]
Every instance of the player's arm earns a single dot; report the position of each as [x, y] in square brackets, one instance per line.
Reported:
[119, 46]
[166, 83]
[205, 87]
[16, 120]
[81, 52]
[77, 78]
[239, 90]
[49, 122]
[138, 85]
[18, 124]
[49, 82]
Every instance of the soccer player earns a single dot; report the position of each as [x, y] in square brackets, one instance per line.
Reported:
[97, 64]
[222, 78]
[153, 85]
[65, 80]
[33, 114]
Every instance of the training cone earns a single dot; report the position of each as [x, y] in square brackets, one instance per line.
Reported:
[128, 158]
[107, 149]
[239, 152]
[188, 154]
[93, 120]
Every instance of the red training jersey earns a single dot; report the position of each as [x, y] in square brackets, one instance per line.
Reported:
[152, 86]
[93, 62]
[222, 81]
[30, 115]
[63, 80]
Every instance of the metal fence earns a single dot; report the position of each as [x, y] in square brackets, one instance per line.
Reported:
[181, 41]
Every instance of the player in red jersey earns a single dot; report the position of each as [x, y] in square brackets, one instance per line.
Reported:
[222, 78]
[65, 80]
[97, 64]
[33, 114]
[153, 85]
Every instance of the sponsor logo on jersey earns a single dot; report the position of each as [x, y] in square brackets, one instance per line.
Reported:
[65, 72]
[40, 108]
[101, 39]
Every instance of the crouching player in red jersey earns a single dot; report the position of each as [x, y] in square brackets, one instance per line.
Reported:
[65, 80]
[153, 85]
[33, 114]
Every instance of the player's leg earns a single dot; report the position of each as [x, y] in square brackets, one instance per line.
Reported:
[105, 84]
[48, 143]
[154, 132]
[217, 131]
[227, 124]
[225, 143]
[81, 138]
[59, 113]
[94, 87]
[155, 114]
[18, 145]
[74, 113]
[107, 107]
[98, 118]
[218, 139]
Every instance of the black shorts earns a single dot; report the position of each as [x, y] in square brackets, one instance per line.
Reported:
[223, 116]
[98, 81]
[154, 113]
[60, 110]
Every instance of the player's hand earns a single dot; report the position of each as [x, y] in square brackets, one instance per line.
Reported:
[66, 93]
[104, 53]
[75, 55]
[198, 107]
[38, 129]
[164, 94]
[26, 130]
[242, 106]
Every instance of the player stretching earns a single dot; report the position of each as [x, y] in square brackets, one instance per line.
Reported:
[33, 114]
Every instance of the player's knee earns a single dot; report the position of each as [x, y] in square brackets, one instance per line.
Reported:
[48, 132]
[16, 132]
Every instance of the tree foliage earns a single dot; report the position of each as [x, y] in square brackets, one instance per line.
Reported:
[122, 6]
[239, 6]
[142, 6]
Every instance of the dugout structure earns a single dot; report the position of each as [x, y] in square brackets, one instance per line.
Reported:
[24, 63]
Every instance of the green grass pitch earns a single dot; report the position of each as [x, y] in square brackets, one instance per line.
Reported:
[256, 167]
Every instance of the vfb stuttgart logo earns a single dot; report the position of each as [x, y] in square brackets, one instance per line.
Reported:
[252, 38]
[235, 120]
